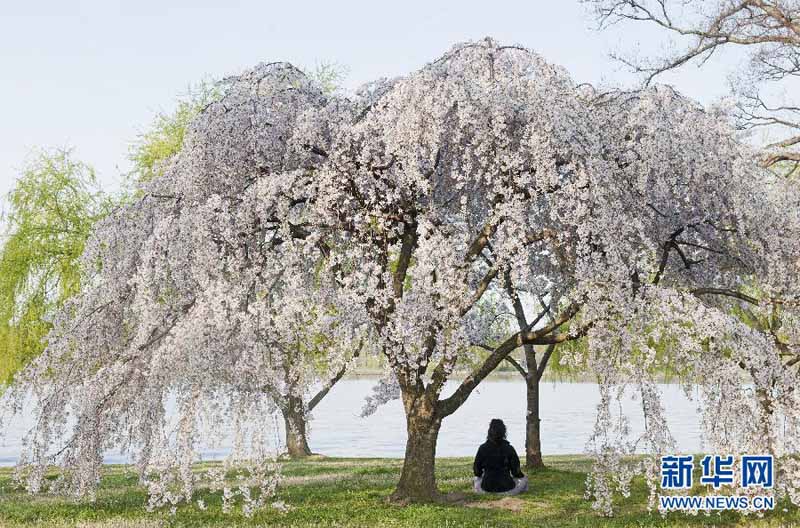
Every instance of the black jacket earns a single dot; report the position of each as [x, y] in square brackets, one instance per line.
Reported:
[497, 463]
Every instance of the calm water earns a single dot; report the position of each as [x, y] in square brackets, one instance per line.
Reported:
[568, 414]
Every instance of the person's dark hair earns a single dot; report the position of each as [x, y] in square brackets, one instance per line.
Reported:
[497, 431]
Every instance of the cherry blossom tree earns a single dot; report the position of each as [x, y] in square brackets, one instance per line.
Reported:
[398, 217]
[436, 171]
[491, 163]
[313, 354]
[193, 294]
[727, 238]
[304, 366]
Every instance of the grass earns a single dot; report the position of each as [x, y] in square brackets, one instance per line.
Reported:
[333, 492]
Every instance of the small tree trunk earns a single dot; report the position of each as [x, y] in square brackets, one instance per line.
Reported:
[533, 436]
[295, 420]
[766, 420]
[418, 478]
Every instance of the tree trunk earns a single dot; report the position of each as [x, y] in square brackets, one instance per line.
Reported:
[533, 435]
[765, 423]
[418, 479]
[295, 420]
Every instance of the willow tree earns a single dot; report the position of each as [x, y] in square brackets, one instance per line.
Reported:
[414, 202]
[48, 218]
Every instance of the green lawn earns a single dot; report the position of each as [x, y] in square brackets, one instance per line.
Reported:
[352, 492]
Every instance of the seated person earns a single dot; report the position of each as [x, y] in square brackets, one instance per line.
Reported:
[496, 465]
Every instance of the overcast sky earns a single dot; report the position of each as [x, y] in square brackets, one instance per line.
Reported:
[91, 74]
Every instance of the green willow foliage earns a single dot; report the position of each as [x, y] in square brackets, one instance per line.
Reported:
[49, 216]
[165, 136]
[328, 75]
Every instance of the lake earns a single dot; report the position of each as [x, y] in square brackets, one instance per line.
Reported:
[568, 414]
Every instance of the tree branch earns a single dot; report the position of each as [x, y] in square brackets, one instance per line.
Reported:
[313, 402]
[540, 336]
[517, 366]
[545, 359]
[728, 293]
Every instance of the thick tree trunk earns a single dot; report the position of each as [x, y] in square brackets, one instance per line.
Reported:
[294, 419]
[418, 479]
[533, 435]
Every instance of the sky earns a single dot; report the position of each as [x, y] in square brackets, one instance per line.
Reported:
[90, 75]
